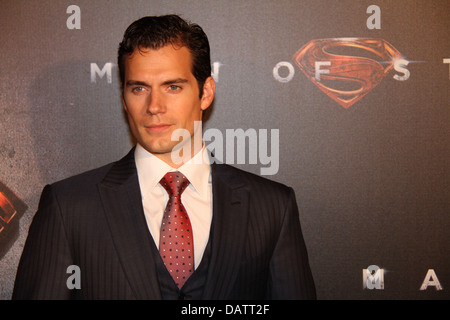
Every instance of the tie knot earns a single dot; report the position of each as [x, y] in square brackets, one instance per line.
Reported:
[174, 183]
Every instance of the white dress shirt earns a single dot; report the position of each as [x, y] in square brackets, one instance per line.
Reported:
[197, 198]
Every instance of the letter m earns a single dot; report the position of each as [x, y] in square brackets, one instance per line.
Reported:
[95, 70]
[373, 278]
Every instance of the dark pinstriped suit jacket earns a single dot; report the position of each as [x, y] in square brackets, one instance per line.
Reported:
[96, 221]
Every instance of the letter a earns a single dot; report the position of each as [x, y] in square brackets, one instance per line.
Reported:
[374, 21]
[74, 21]
[431, 280]
[74, 281]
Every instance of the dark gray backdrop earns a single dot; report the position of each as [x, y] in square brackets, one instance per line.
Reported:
[372, 181]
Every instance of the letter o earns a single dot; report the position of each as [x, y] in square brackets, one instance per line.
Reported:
[276, 73]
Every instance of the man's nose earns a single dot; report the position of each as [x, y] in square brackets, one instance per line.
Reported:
[156, 103]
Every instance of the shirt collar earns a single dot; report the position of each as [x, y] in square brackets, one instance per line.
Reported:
[151, 169]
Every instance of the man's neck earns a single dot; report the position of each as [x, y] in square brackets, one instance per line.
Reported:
[179, 157]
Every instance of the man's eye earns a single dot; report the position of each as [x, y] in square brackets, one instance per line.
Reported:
[174, 87]
[138, 89]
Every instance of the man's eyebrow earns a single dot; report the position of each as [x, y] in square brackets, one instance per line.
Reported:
[137, 83]
[175, 81]
[165, 83]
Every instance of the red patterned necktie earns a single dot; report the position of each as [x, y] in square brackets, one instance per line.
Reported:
[176, 244]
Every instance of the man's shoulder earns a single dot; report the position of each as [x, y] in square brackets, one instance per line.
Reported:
[270, 196]
[84, 179]
[94, 176]
[251, 179]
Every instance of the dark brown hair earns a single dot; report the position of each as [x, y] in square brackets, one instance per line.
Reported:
[159, 31]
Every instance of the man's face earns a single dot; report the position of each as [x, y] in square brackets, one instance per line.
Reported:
[160, 95]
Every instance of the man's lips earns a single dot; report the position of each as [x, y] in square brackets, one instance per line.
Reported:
[157, 128]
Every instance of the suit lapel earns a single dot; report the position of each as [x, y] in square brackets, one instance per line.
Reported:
[229, 225]
[120, 194]
[121, 197]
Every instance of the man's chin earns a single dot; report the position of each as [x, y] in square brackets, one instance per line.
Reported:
[161, 148]
[158, 150]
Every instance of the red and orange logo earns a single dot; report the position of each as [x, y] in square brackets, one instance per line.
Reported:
[346, 69]
[11, 210]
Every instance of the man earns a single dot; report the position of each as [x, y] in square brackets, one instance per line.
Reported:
[237, 235]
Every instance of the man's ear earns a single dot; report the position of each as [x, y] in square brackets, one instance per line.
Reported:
[209, 89]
